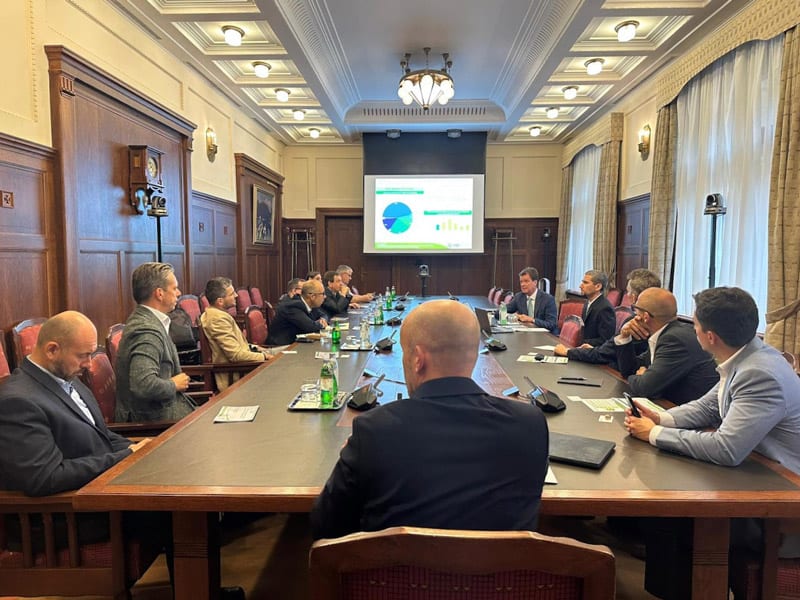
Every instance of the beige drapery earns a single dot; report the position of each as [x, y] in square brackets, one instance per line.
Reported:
[663, 214]
[604, 254]
[783, 299]
[564, 222]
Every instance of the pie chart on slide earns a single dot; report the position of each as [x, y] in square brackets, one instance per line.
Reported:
[397, 217]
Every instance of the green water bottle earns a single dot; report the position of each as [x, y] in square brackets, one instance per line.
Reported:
[380, 315]
[326, 385]
[394, 293]
[336, 334]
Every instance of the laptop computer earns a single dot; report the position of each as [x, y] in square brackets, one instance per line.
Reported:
[485, 322]
[579, 451]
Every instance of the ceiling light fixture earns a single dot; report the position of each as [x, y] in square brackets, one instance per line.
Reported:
[299, 114]
[570, 92]
[314, 132]
[626, 30]
[552, 112]
[233, 35]
[594, 66]
[535, 131]
[426, 86]
[282, 95]
[262, 69]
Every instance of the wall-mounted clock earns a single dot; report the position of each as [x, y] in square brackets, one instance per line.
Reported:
[145, 167]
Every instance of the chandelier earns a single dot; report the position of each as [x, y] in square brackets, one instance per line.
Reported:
[426, 86]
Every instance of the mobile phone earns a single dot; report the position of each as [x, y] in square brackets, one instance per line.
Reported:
[512, 391]
[634, 410]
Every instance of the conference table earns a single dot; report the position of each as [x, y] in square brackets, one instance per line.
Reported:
[280, 461]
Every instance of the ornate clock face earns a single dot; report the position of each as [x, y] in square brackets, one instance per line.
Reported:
[152, 167]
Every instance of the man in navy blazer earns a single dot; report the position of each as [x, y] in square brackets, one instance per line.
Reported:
[450, 456]
[532, 304]
[52, 434]
[599, 320]
[301, 314]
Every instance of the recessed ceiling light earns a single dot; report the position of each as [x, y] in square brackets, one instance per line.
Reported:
[313, 132]
[282, 95]
[570, 92]
[233, 35]
[552, 112]
[535, 131]
[626, 30]
[594, 66]
[262, 69]
[299, 114]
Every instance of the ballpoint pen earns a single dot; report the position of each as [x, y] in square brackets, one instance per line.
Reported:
[572, 378]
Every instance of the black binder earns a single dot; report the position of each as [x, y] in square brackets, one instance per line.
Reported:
[580, 451]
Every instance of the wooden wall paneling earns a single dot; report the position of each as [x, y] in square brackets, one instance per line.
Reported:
[633, 233]
[95, 117]
[213, 239]
[29, 253]
[258, 264]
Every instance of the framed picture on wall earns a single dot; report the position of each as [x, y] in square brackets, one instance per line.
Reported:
[263, 216]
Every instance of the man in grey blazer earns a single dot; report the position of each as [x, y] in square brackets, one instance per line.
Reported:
[150, 383]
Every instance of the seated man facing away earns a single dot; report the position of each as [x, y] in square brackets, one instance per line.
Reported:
[52, 434]
[349, 290]
[298, 315]
[450, 456]
[533, 305]
[293, 288]
[754, 407]
[599, 321]
[150, 383]
[606, 353]
[674, 367]
[224, 336]
[335, 303]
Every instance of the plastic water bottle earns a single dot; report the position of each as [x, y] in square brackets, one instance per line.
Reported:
[364, 333]
[326, 385]
[379, 320]
[336, 334]
[393, 293]
[388, 299]
[503, 314]
[335, 366]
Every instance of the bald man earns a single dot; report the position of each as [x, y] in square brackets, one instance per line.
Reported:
[52, 434]
[450, 456]
[301, 314]
[674, 367]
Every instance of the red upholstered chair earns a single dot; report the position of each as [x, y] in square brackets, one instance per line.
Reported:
[570, 306]
[622, 313]
[38, 566]
[24, 335]
[256, 325]
[490, 295]
[204, 303]
[191, 304]
[243, 300]
[5, 369]
[498, 294]
[614, 296]
[269, 313]
[255, 296]
[507, 297]
[626, 300]
[572, 331]
[112, 341]
[208, 369]
[440, 564]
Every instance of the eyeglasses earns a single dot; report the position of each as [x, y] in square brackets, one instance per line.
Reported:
[643, 310]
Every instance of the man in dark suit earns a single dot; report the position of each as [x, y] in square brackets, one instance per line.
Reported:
[335, 303]
[301, 314]
[150, 383]
[450, 456]
[674, 367]
[532, 304]
[52, 434]
[599, 321]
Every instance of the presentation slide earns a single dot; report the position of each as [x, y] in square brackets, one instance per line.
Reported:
[425, 214]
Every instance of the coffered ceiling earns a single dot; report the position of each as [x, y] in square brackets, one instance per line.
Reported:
[340, 59]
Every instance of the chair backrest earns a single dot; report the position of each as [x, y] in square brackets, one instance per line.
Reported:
[506, 297]
[614, 296]
[205, 346]
[100, 378]
[622, 313]
[455, 564]
[24, 336]
[572, 331]
[490, 295]
[626, 300]
[570, 306]
[112, 341]
[498, 293]
[256, 297]
[5, 369]
[191, 305]
[256, 325]
[269, 313]
[204, 303]
[243, 299]
[790, 358]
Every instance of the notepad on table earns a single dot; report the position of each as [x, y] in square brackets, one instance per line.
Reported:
[236, 414]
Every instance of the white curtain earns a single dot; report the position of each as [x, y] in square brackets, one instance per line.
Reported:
[726, 126]
[586, 172]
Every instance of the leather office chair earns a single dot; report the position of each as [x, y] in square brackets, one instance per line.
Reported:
[5, 369]
[614, 296]
[191, 304]
[112, 341]
[256, 325]
[440, 564]
[572, 332]
[623, 313]
[23, 336]
[39, 567]
[570, 306]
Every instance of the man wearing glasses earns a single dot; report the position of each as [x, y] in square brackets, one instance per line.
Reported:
[674, 367]
[300, 314]
[293, 289]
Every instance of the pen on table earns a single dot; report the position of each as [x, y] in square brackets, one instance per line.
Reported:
[572, 378]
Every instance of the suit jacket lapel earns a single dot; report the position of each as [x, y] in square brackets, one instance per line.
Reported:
[50, 384]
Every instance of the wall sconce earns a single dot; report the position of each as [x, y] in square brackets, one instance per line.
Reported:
[644, 141]
[211, 144]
